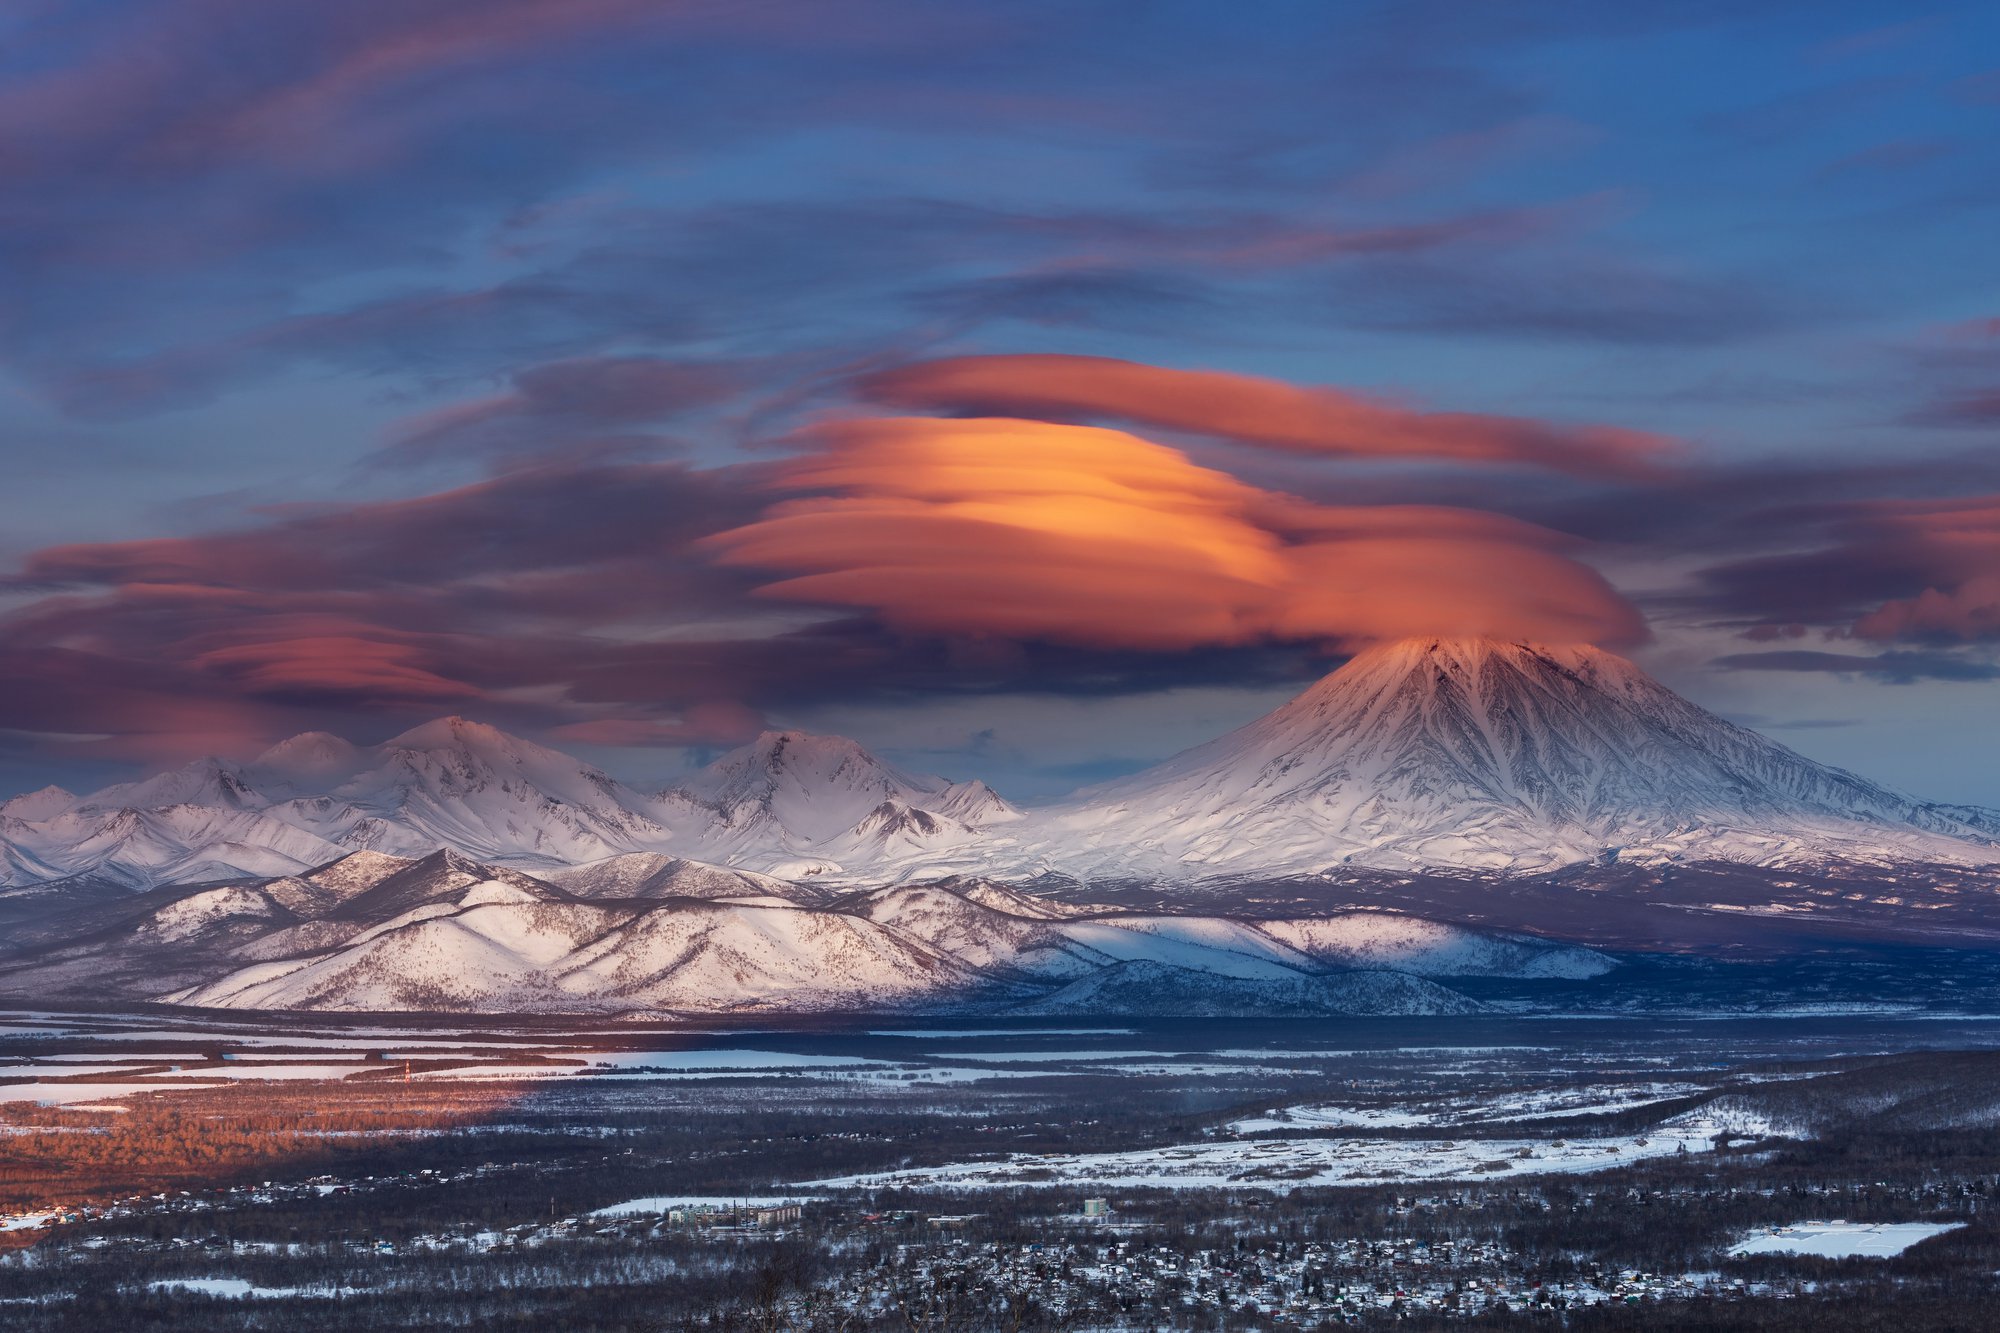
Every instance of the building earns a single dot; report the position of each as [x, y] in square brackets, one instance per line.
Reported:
[1096, 1208]
[778, 1216]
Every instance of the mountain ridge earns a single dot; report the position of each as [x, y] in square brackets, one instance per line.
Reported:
[448, 934]
[1482, 756]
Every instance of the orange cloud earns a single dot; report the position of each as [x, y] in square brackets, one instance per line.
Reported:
[1084, 535]
[1264, 412]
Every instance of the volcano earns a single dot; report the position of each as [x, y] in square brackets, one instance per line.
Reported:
[1497, 756]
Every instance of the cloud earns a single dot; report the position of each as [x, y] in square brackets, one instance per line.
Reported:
[1083, 535]
[205, 193]
[487, 592]
[719, 722]
[1977, 409]
[1967, 610]
[1564, 296]
[1252, 410]
[296, 657]
[572, 600]
[1895, 668]
[1917, 570]
[1100, 297]
[1956, 367]
[585, 408]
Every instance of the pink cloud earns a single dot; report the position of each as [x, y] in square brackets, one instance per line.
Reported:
[1263, 412]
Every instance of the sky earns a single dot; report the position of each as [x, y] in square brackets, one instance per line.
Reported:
[1027, 390]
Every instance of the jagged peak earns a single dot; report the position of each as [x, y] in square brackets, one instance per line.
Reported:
[363, 864]
[798, 756]
[196, 779]
[42, 803]
[793, 747]
[893, 817]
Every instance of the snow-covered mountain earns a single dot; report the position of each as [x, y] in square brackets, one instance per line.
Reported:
[795, 804]
[1509, 757]
[1425, 755]
[447, 933]
[788, 804]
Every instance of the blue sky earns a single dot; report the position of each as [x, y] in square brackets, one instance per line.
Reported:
[365, 362]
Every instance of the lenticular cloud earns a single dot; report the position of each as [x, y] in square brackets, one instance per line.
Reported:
[1094, 536]
[1266, 413]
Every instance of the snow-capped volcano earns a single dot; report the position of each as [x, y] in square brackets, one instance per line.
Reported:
[1472, 753]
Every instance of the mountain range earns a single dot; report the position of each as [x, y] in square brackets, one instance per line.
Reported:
[1432, 754]
[458, 867]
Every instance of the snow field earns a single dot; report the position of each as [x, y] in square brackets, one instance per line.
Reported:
[1842, 1240]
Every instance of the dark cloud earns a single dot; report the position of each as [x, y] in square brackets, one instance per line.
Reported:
[1565, 297]
[778, 283]
[581, 410]
[1919, 570]
[1894, 668]
[569, 599]
[1977, 409]
[1101, 298]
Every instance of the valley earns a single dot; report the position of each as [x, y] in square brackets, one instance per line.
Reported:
[356, 1173]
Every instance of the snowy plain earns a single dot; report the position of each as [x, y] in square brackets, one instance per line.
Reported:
[1842, 1240]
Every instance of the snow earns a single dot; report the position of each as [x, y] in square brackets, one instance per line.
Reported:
[789, 799]
[64, 1094]
[666, 1202]
[236, 1288]
[1540, 1104]
[1842, 1240]
[974, 1034]
[1427, 753]
[1490, 755]
[66, 1070]
[1283, 1164]
[28, 1221]
[725, 1060]
[1062, 1057]
[1430, 752]
[281, 1072]
[47, 803]
[1224, 948]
